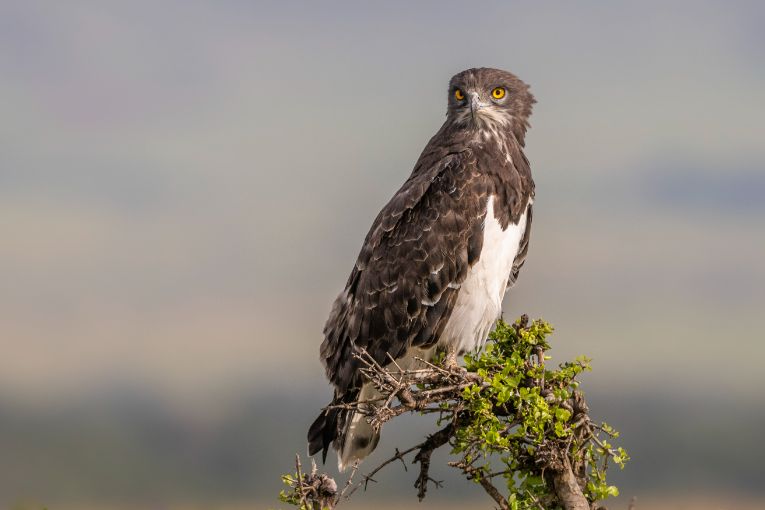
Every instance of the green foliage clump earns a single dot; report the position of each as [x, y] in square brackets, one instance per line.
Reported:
[531, 420]
[291, 496]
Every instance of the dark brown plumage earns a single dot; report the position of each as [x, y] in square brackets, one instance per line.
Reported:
[422, 245]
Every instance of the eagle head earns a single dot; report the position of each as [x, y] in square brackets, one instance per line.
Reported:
[489, 99]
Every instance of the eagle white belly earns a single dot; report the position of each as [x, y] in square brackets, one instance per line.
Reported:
[479, 302]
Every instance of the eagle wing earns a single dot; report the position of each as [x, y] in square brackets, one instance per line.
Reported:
[523, 248]
[406, 279]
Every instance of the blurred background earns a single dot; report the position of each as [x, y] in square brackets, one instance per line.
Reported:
[184, 187]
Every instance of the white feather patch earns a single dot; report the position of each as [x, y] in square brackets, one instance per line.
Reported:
[479, 302]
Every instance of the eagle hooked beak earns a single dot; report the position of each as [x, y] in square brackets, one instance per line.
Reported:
[475, 104]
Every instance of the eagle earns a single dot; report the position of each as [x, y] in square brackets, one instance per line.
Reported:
[439, 257]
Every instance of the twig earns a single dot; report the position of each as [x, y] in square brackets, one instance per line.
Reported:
[433, 442]
[368, 477]
[432, 366]
[301, 482]
[610, 451]
[348, 483]
[536, 501]
[474, 473]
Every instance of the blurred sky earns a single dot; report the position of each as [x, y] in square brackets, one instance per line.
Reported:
[184, 186]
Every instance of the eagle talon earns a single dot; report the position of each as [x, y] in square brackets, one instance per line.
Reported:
[457, 370]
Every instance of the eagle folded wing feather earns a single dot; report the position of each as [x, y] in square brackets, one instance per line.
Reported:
[408, 274]
[523, 249]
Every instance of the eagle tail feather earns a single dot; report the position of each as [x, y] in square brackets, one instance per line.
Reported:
[358, 441]
[347, 431]
[321, 433]
[329, 427]
[359, 438]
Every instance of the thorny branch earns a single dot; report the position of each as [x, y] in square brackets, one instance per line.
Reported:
[430, 388]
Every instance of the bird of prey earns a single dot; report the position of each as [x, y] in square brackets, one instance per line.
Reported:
[439, 257]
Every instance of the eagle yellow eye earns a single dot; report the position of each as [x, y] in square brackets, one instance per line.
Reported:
[458, 95]
[498, 93]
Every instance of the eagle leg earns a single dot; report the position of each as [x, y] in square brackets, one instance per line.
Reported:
[451, 364]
